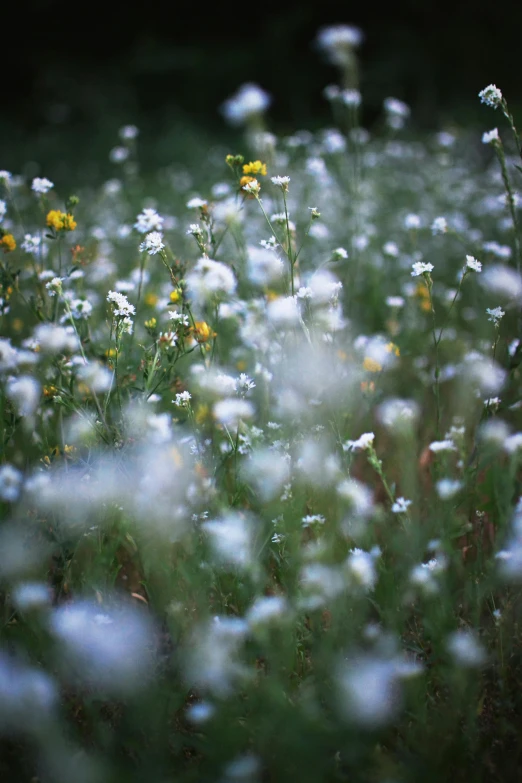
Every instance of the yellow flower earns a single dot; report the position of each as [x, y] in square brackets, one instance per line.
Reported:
[202, 413]
[203, 332]
[255, 168]
[50, 391]
[175, 295]
[110, 353]
[151, 323]
[60, 221]
[8, 243]
[392, 348]
[370, 365]
[244, 181]
[151, 299]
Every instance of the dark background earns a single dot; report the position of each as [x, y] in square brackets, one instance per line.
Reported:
[88, 68]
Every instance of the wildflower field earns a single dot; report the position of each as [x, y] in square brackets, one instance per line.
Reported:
[260, 487]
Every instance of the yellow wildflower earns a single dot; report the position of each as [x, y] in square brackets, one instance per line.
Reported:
[256, 167]
[202, 413]
[60, 221]
[392, 348]
[8, 243]
[151, 299]
[175, 295]
[203, 332]
[151, 323]
[370, 365]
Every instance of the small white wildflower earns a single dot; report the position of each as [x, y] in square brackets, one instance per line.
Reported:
[490, 137]
[420, 268]
[442, 445]
[472, 263]
[401, 505]
[363, 443]
[249, 101]
[148, 220]
[495, 314]
[491, 96]
[128, 132]
[41, 185]
[412, 222]
[122, 306]
[351, 98]
[465, 649]
[245, 384]
[54, 286]
[231, 411]
[183, 399]
[253, 187]
[119, 154]
[10, 483]
[339, 253]
[439, 226]
[3, 209]
[153, 243]
[181, 319]
[448, 488]
[395, 301]
[31, 244]
[281, 182]
[195, 230]
[196, 203]
[391, 249]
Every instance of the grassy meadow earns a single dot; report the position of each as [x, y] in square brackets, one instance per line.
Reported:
[260, 488]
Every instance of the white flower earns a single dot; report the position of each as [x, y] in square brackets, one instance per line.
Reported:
[148, 220]
[54, 286]
[395, 301]
[210, 279]
[340, 252]
[465, 649]
[395, 107]
[495, 314]
[245, 384]
[196, 203]
[181, 319]
[282, 182]
[439, 226]
[81, 309]
[183, 399]
[351, 98]
[10, 483]
[442, 445]
[253, 187]
[5, 176]
[122, 306]
[3, 210]
[401, 506]
[195, 230]
[119, 154]
[31, 244]
[231, 411]
[391, 249]
[249, 101]
[490, 137]
[472, 263]
[25, 394]
[338, 42]
[153, 243]
[420, 268]
[448, 488]
[361, 567]
[128, 132]
[491, 96]
[42, 185]
[363, 443]
[412, 221]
